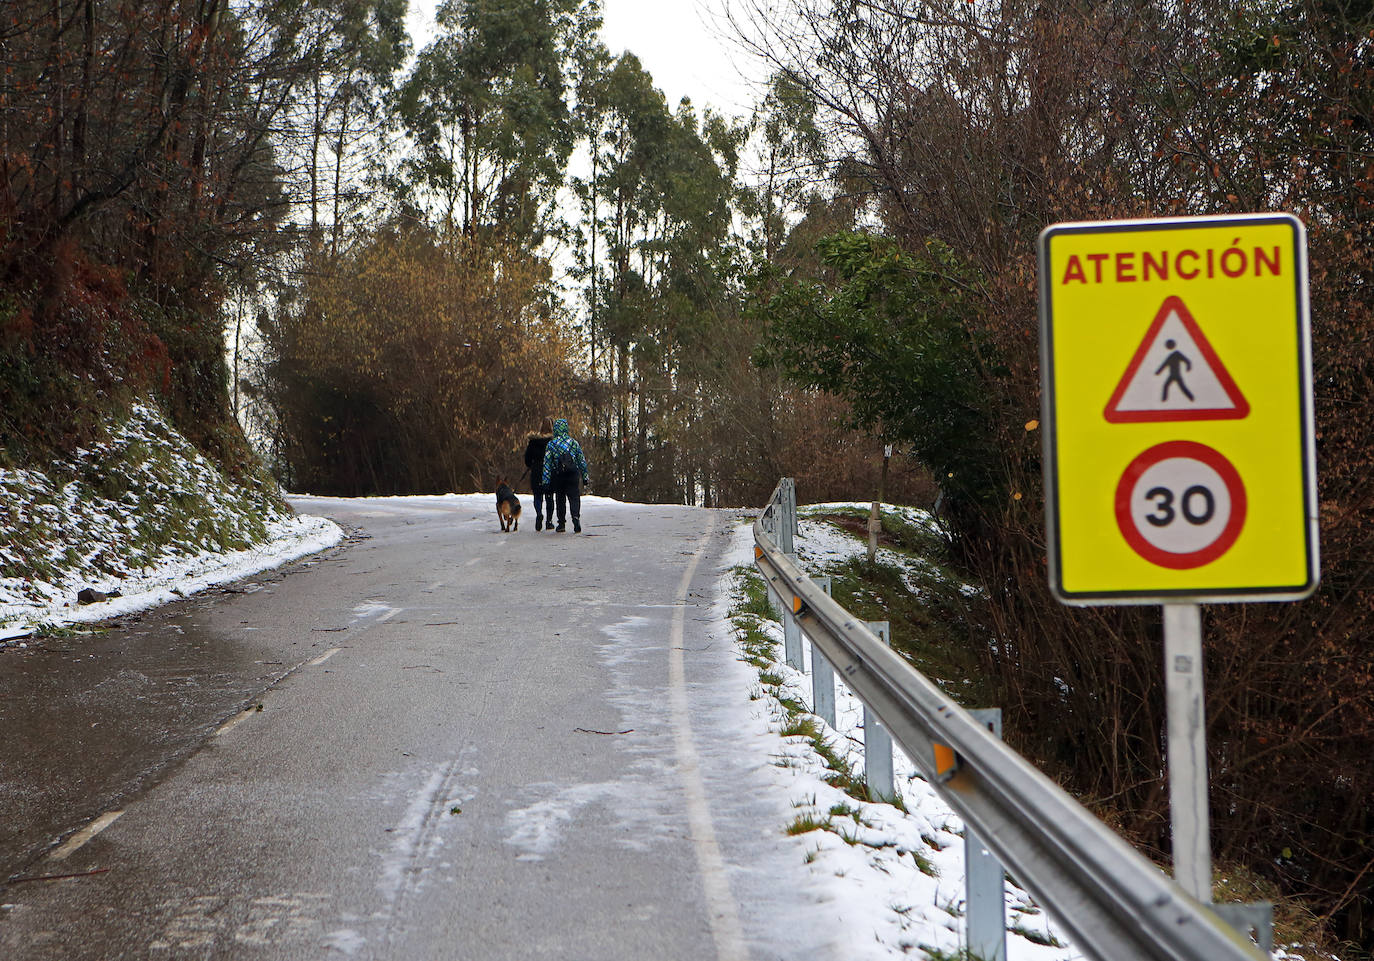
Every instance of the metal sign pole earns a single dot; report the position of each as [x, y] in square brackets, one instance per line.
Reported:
[1186, 742]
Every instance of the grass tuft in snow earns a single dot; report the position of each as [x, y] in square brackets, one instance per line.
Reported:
[1036, 936]
[808, 822]
[753, 596]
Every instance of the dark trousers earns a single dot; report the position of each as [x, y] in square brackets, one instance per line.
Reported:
[568, 491]
[543, 501]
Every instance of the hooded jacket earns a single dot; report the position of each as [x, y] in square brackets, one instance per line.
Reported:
[534, 457]
[562, 440]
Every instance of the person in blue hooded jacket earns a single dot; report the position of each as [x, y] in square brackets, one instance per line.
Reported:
[566, 476]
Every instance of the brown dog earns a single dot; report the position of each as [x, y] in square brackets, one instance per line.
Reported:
[507, 507]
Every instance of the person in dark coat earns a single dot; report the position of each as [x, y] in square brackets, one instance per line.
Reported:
[566, 475]
[534, 463]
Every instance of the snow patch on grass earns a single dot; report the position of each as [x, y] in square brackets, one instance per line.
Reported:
[142, 515]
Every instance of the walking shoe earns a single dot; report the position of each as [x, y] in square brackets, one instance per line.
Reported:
[577, 527]
[539, 523]
[560, 528]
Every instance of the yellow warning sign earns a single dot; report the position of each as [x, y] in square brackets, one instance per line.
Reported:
[1175, 367]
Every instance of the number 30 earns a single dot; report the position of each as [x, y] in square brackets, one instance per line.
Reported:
[1164, 506]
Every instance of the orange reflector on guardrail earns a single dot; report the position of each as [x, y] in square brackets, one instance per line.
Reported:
[796, 604]
[946, 761]
[758, 552]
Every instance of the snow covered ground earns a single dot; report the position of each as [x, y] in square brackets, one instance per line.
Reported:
[289, 538]
[141, 514]
[898, 875]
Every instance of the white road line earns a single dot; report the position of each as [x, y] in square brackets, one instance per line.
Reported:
[236, 720]
[84, 835]
[316, 662]
[388, 615]
[721, 910]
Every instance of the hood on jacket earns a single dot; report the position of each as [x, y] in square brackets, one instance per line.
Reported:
[560, 427]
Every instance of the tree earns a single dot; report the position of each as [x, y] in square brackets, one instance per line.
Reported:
[792, 154]
[883, 329]
[357, 47]
[486, 108]
[415, 363]
[138, 165]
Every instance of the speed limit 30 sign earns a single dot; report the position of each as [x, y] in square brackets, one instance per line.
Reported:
[1176, 384]
[1180, 504]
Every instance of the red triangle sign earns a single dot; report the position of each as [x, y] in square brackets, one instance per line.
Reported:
[1175, 375]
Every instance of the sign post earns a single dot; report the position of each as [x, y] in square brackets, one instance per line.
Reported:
[1178, 445]
[1186, 748]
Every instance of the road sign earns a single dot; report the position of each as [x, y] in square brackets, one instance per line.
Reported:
[1195, 384]
[1180, 504]
[1176, 387]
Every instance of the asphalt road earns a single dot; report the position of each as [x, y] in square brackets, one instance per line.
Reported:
[436, 741]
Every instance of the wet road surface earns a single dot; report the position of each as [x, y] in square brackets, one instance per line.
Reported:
[436, 741]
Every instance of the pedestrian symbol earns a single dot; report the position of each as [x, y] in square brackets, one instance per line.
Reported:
[1172, 363]
[1175, 375]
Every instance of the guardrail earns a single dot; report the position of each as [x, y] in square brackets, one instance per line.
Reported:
[1113, 902]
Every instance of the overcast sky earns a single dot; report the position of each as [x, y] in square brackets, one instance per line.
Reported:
[686, 46]
[682, 43]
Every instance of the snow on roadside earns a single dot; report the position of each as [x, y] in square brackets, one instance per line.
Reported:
[899, 876]
[289, 539]
[142, 518]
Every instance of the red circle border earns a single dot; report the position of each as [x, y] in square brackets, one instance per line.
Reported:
[1195, 451]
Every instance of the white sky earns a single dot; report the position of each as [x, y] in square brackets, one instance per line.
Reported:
[684, 44]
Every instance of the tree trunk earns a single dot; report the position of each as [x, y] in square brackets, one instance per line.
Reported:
[339, 146]
[875, 518]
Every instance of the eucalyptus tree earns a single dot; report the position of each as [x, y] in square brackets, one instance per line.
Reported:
[486, 107]
[357, 47]
[654, 256]
[791, 159]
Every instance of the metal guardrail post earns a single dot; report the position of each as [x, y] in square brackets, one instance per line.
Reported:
[768, 521]
[776, 604]
[877, 742]
[1256, 917]
[787, 521]
[791, 635]
[985, 913]
[822, 674]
